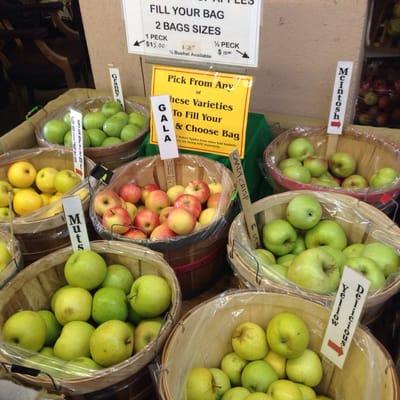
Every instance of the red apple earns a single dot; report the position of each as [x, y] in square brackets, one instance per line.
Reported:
[147, 189]
[384, 102]
[198, 189]
[181, 221]
[105, 200]
[380, 85]
[146, 220]
[189, 203]
[397, 86]
[161, 232]
[157, 200]
[135, 234]
[214, 200]
[131, 192]
[117, 220]
[373, 111]
[382, 119]
[396, 115]
[164, 214]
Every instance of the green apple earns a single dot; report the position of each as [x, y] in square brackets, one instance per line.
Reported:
[236, 393]
[68, 139]
[56, 294]
[6, 193]
[316, 165]
[258, 375]
[96, 137]
[306, 369]
[133, 316]
[259, 396]
[53, 328]
[111, 343]
[113, 126]
[5, 214]
[355, 182]
[111, 141]
[289, 162]
[249, 341]
[370, 270]
[354, 250]
[279, 269]
[325, 182]
[266, 256]
[307, 392]
[109, 303]
[304, 211]
[323, 398]
[326, 233]
[81, 366]
[65, 180]
[279, 237]
[94, 120]
[138, 119]
[299, 246]
[284, 390]
[383, 177]
[119, 277]
[67, 118]
[300, 149]
[54, 131]
[200, 385]
[122, 115]
[73, 304]
[339, 256]
[47, 352]
[277, 362]
[287, 335]
[233, 366]
[150, 296]
[384, 256]
[25, 329]
[286, 260]
[299, 174]
[110, 108]
[85, 269]
[5, 255]
[221, 381]
[146, 332]
[129, 132]
[315, 270]
[74, 341]
[342, 165]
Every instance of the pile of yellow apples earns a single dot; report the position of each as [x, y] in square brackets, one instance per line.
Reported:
[26, 190]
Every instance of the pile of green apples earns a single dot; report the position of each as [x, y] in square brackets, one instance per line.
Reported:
[302, 165]
[107, 127]
[312, 252]
[271, 364]
[99, 319]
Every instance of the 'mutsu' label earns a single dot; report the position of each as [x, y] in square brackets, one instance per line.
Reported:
[340, 95]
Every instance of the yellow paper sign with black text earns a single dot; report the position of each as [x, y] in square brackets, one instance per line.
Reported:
[209, 108]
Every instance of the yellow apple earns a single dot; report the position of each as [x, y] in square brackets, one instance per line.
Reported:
[45, 198]
[207, 216]
[82, 193]
[215, 187]
[57, 196]
[65, 180]
[6, 193]
[132, 209]
[45, 180]
[26, 201]
[21, 174]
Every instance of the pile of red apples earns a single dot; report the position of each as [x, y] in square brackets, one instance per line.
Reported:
[151, 213]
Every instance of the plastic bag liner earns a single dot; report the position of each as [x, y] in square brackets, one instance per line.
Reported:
[48, 222]
[205, 332]
[32, 289]
[149, 170]
[361, 222]
[111, 156]
[370, 152]
[16, 263]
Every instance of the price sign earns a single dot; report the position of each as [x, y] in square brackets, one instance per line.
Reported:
[77, 142]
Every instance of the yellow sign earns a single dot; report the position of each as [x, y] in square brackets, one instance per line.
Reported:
[209, 108]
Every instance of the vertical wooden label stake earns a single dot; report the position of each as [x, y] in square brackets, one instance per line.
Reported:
[241, 186]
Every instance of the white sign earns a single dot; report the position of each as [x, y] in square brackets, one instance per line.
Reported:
[346, 312]
[164, 123]
[77, 142]
[208, 31]
[340, 95]
[76, 223]
[116, 86]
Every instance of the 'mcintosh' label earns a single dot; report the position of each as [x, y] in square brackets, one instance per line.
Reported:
[346, 312]
[339, 97]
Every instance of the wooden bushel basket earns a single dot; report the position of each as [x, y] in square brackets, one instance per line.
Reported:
[371, 153]
[110, 156]
[361, 222]
[16, 264]
[40, 236]
[205, 332]
[196, 258]
[32, 289]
